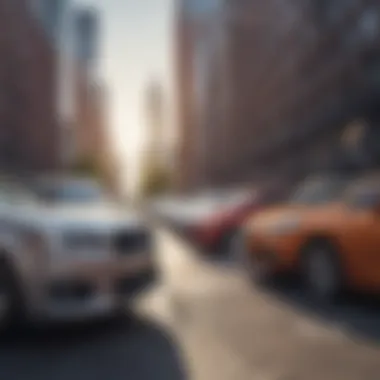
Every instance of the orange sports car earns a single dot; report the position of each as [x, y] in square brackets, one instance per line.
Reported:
[328, 233]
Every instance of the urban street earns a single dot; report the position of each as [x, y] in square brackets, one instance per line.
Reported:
[220, 144]
[204, 321]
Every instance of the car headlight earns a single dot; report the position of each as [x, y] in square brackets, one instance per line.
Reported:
[35, 249]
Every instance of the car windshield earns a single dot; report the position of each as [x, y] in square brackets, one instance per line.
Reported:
[70, 191]
[317, 192]
[11, 194]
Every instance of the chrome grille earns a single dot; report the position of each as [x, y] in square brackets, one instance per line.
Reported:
[77, 241]
[125, 242]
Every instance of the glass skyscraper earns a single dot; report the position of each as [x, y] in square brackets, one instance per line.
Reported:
[86, 36]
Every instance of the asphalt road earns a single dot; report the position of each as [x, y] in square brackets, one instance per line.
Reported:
[203, 321]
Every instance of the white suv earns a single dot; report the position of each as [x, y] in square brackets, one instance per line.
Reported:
[67, 252]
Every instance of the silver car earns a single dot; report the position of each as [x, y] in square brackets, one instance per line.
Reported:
[69, 252]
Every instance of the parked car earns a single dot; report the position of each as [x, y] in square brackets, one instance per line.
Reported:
[69, 252]
[328, 233]
[184, 214]
[217, 231]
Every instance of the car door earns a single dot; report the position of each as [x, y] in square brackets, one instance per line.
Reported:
[362, 237]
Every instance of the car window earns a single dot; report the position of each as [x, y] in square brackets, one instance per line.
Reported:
[318, 192]
[10, 194]
[363, 197]
[70, 191]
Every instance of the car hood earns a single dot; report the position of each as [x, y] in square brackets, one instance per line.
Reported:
[274, 213]
[286, 213]
[94, 216]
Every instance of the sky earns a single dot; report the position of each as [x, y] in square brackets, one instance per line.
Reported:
[135, 49]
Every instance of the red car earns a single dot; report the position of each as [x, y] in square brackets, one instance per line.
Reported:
[216, 232]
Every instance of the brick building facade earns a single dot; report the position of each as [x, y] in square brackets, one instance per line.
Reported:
[302, 80]
[294, 73]
[184, 78]
[198, 52]
[29, 133]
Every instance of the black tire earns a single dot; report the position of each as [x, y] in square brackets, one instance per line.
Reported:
[321, 271]
[15, 311]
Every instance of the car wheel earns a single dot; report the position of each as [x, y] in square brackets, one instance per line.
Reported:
[321, 271]
[12, 311]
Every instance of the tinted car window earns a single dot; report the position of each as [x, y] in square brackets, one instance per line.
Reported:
[318, 192]
[14, 194]
[73, 191]
[363, 197]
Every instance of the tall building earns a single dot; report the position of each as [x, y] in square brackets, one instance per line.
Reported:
[86, 92]
[90, 115]
[92, 138]
[53, 19]
[196, 47]
[287, 77]
[86, 37]
[29, 134]
[51, 14]
[315, 73]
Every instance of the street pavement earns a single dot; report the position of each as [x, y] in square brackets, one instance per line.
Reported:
[204, 321]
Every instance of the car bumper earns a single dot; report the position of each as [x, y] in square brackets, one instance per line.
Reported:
[72, 311]
[81, 292]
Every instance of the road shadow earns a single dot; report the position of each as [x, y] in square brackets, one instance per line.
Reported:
[357, 314]
[107, 349]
